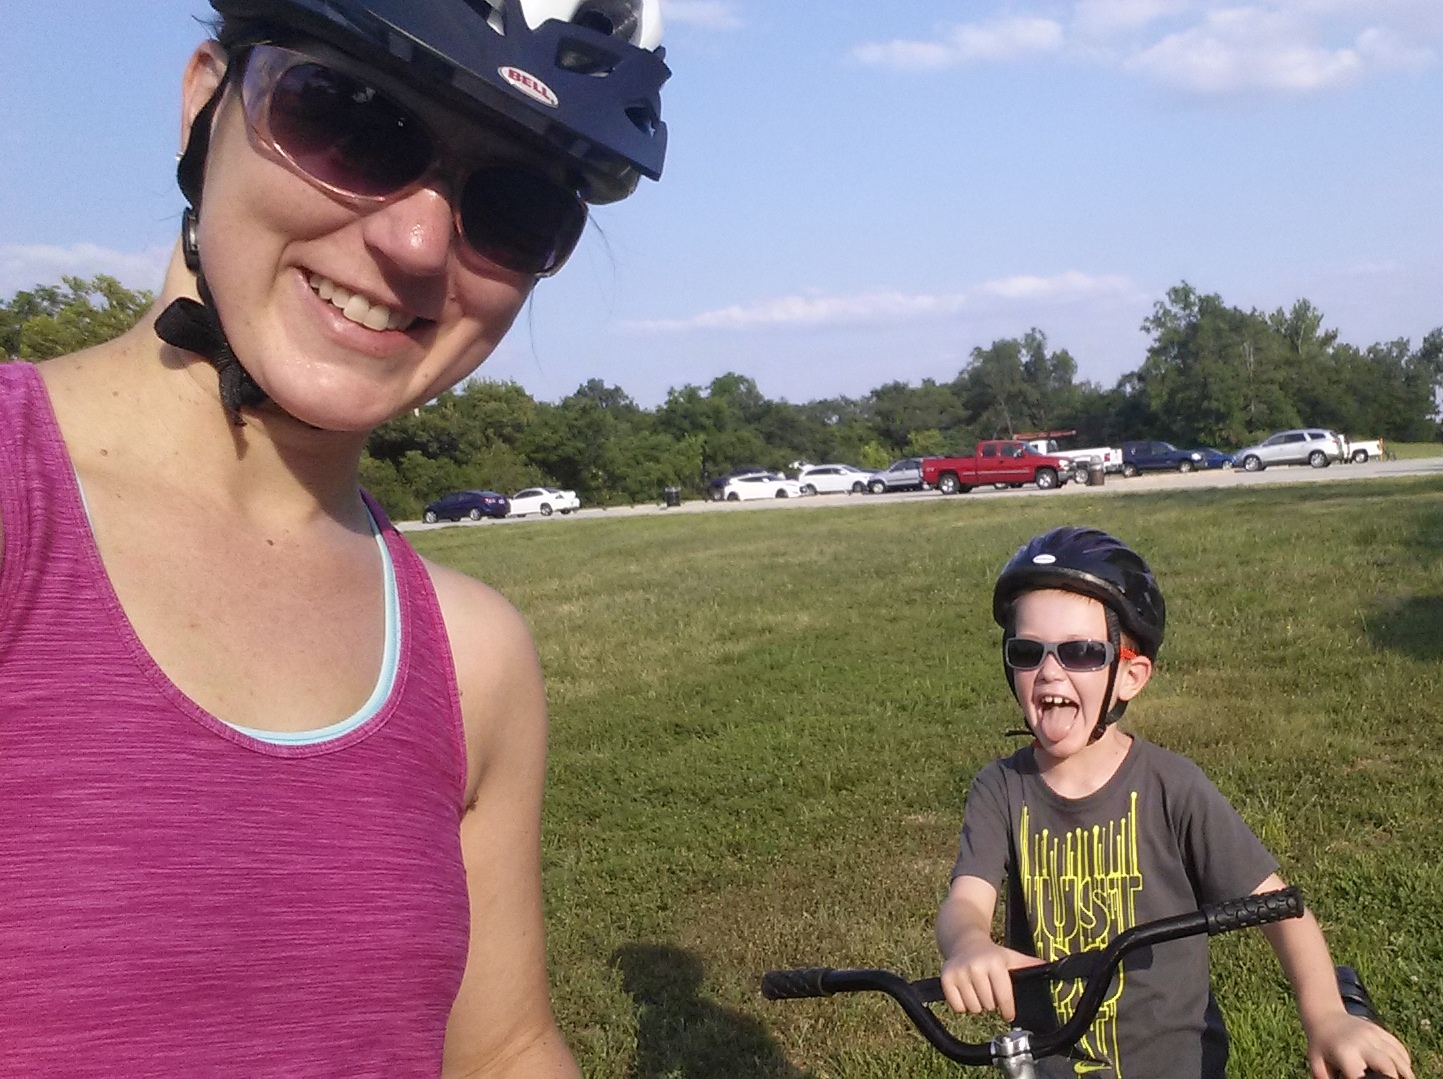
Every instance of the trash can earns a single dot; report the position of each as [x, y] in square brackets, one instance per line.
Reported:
[1096, 476]
[670, 496]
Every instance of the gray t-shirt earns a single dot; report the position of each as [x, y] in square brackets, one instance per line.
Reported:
[1157, 840]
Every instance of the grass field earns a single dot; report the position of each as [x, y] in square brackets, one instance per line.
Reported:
[1406, 450]
[764, 725]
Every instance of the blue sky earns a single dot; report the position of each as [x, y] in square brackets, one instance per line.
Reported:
[863, 192]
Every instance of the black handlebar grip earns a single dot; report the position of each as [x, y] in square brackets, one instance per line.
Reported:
[794, 984]
[1253, 910]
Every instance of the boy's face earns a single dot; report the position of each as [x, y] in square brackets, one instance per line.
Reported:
[1062, 706]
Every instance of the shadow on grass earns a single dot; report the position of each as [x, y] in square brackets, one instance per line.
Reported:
[1413, 627]
[681, 1036]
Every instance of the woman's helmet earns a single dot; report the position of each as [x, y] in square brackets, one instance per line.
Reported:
[584, 76]
[1091, 563]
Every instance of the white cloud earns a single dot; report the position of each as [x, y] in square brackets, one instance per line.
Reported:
[1244, 49]
[23, 266]
[708, 14]
[817, 310]
[1104, 17]
[1205, 48]
[999, 40]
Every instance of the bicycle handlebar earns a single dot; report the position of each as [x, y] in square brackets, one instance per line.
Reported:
[1095, 968]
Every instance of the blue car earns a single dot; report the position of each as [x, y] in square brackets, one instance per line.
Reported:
[1215, 458]
[473, 505]
[1158, 457]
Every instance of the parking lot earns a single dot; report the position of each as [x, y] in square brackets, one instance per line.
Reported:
[1115, 484]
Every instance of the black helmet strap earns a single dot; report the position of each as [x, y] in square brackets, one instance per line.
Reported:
[1106, 715]
[186, 324]
[195, 327]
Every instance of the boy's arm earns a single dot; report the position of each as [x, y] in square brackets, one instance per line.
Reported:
[975, 971]
[1338, 1043]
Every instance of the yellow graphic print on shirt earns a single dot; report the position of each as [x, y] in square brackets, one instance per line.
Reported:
[1079, 888]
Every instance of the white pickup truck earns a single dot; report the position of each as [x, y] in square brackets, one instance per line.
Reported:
[1109, 457]
[1358, 451]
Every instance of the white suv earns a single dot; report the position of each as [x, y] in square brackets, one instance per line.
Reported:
[1304, 446]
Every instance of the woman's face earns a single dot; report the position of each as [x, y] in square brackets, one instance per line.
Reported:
[345, 316]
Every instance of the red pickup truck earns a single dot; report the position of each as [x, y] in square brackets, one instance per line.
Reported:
[996, 461]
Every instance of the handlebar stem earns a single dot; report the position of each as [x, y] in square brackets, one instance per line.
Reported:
[1012, 1052]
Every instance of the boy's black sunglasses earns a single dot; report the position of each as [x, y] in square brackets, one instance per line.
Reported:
[1026, 654]
[350, 140]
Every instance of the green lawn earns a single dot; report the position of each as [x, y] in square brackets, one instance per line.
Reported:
[764, 725]
[1416, 449]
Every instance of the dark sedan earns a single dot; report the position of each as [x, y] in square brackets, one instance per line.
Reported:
[1158, 457]
[473, 505]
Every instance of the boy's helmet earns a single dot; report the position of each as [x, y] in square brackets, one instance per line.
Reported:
[585, 76]
[1090, 562]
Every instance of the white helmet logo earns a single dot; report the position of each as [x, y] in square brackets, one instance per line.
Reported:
[1044, 559]
[529, 85]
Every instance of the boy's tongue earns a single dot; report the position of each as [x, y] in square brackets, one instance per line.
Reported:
[1055, 720]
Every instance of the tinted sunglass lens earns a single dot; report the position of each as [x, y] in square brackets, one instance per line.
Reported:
[345, 133]
[1023, 654]
[520, 219]
[1082, 655]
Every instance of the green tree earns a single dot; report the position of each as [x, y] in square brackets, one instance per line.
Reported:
[1213, 373]
[48, 321]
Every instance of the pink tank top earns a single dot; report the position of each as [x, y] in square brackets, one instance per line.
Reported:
[178, 898]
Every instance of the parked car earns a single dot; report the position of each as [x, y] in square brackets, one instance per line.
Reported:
[543, 500]
[1215, 458]
[833, 479]
[1109, 457]
[996, 461]
[716, 487]
[1159, 457]
[1357, 451]
[472, 505]
[765, 485]
[1302, 446]
[903, 475]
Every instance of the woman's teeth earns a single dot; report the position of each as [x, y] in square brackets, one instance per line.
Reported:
[373, 316]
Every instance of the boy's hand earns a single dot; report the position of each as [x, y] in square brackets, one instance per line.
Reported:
[1345, 1046]
[977, 977]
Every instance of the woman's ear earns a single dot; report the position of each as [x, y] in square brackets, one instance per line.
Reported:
[203, 75]
[1133, 676]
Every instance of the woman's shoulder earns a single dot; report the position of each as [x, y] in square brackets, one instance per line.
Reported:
[498, 673]
[473, 605]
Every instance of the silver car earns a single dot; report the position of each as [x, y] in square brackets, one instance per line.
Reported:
[1304, 446]
[903, 475]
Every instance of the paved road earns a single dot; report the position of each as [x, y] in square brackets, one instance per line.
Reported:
[1162, 481]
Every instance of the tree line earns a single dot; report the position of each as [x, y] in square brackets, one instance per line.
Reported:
[1213, 375]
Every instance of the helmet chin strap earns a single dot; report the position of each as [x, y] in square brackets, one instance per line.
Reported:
[195, 327]
[186, 324]
[1106, 715]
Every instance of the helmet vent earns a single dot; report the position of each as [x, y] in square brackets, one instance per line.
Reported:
[614, 18]
[493, 11]
[584, 58]
[643, 117]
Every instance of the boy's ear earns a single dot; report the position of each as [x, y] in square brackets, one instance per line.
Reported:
[1133, 676]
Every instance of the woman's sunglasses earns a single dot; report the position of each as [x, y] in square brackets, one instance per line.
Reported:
[1025, 654]
[350, 140]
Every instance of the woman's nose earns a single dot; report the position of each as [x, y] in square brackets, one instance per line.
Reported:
[415, 233]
